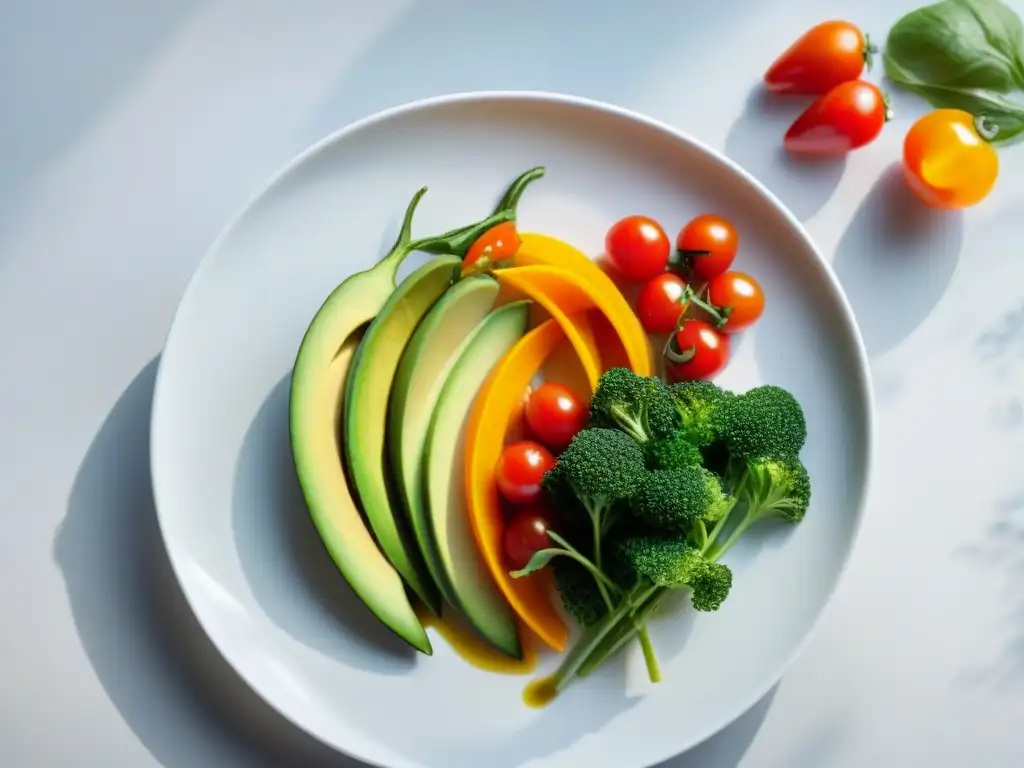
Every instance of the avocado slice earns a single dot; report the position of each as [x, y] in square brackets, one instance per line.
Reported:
[432, 350]
[366, 408]
[318, 385]
[465, 581]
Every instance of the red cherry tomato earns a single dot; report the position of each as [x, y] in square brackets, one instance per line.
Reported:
[637, 247]
[526, 534]
[708, 245]
[499, 243]
[826, 55]
[847, 117]
[738, 297]
[520, 470]
[696, 351]
[661, 303]
[555, 414]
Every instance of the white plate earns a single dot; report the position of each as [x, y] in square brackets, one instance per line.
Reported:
[246, 554]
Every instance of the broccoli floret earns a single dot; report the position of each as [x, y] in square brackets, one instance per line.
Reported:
[673, 453]
[600, 467]
[771, 488]
[579, 592]
[699, 406]
[675, 499]
[778, 487]
[668, 562]
[764, 422]
[641, 407]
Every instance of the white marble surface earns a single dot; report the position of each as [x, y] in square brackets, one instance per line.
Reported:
[132, 131]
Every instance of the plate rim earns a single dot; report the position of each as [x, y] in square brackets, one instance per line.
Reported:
[846, 316]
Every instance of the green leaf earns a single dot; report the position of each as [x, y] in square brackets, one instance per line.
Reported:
[1002, 112]
[540, 559]
[967, 44]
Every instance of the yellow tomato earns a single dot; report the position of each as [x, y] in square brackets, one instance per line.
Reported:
[947, 162]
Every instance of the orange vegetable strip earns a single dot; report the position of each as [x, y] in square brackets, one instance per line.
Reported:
[542, 250]
[530, 596]
[560, 298]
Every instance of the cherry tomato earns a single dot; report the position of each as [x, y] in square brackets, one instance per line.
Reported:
[520, 469]
[499, 243]
[738, 297]
[826, 55]
[847, 117]
[637, 247]
[661, 302]
[526, 534]
[708, 244]
[696, 351]
[947, 162]
[555, 414]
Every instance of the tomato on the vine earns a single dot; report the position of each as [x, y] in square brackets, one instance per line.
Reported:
[738, 298]
[847, 117]
[947, 159]
[526, 534]
[555, 414]
[661, 303]
[637, 247]
[499, 243]
[520, 470]
[826, 55]
[696, 351]
[707, 245]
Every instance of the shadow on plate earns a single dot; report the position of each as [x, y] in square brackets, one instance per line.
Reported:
[755, 142]
[290, 572]
[170, 685]
[896, 260]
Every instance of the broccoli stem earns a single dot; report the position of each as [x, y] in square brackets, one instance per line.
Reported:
[623, 632]
[589, 640]
[650, 658]
[632, 426]
[713, 535]
[603, 582]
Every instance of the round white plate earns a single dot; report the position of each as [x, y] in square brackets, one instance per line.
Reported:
[246, 553]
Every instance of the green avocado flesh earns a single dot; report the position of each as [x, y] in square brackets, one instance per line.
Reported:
[465, 582]
[427, 360]
[365, 417]
[317, 394]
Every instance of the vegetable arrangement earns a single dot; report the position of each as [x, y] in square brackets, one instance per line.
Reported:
[408, 400]
[965, 57]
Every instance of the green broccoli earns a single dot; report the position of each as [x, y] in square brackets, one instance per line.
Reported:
[676, 499]
[673, 452]
[667, 562]
[600, 467]
[641, 407]
[579, 592]
[699, 405]
[771, 488]
[764, 422]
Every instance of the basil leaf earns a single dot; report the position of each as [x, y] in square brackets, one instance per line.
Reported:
[540, 558]
[998, 110]
[973, 44]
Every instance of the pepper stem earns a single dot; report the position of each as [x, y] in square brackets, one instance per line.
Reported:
[986, 128]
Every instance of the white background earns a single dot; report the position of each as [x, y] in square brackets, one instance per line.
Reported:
[131, 131]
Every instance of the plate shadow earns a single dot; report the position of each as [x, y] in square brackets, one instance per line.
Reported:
[158, 668]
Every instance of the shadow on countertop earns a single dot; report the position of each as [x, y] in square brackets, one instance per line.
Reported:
[171, 686]
[893, 241]
[754, 141]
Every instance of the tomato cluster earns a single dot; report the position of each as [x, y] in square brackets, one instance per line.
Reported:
[692, 294]
[553, 414]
